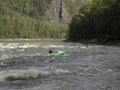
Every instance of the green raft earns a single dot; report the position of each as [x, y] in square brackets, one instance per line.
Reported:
[57, 53]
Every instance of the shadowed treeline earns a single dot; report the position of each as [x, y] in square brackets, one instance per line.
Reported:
[97, 20]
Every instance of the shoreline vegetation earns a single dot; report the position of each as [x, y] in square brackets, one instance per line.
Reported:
[98, 21]
[23, 19]
[23, 39]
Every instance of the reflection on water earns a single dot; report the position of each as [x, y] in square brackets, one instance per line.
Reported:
[25, 65]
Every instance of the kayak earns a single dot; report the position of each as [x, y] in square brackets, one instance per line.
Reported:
[60, 52]
[57, 53]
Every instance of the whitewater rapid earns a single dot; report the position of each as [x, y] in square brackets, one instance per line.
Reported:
[25, 65]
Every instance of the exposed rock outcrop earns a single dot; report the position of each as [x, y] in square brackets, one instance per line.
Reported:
[60, 10]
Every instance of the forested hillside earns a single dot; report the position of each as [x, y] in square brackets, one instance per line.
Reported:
[36, 18]
[97, 20]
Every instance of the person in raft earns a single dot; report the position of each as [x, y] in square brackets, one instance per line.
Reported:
[51, 50]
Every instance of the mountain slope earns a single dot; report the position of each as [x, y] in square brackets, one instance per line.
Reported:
[36, 18]
[62, 10]
[44, 9]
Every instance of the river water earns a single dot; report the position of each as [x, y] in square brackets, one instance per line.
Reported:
[83, 67]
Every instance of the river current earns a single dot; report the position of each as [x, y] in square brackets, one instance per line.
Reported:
[25, 65]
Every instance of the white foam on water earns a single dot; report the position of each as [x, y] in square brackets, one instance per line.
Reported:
[62, 46]
[59, 71]
[53, 46]
[17, 45]
[10, 50]
[83, 47]
[18, 73]
[3, 57]
[95, 46]
[28, 46]
[2, 47]
[32, 71]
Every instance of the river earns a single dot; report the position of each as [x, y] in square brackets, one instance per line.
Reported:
[25, 65]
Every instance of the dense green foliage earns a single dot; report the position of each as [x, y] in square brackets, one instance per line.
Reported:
[97, 19]
[24, 19]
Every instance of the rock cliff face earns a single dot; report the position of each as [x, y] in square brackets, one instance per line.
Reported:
[61, 10]
[50, 10]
